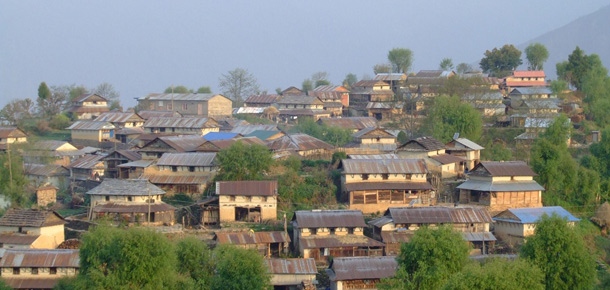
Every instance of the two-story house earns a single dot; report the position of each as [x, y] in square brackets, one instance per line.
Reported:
[489, 104]
[88, 167]
[91, 133]
[515, 224]
[433, 152]
[182, 172]
[170, 144]
[181, 125]
[268, 244]
[520, 79]
[335, 98]
[88, 106]
[366, 91]
[250, 200]
[121, 119]
[374, 139]
[399, 224]
[500, 185]
[464, 148]
[31, 229]
[116, 158]
[38, 269]
[360, 272]
[11, 135]
[261, 101]
[204, 105]
[321, 234]
[294, 107]
[133, 201]
[302, 145]
[373, 185]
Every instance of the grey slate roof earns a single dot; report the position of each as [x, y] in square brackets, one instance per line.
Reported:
[124, 187]
[480, 185]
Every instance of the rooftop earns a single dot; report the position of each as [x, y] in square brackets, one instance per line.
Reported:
[436, 215]
[124, 187]
[384, 166]
[247, 188]
[187, 159]
[297, 266]
[361, 268]
[533, 214]
[180, 97]
[30, 218]
[328, 218]
[250, 238]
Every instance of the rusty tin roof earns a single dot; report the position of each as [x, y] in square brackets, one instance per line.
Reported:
[248, 238]
[247, 187]
[62, 258]
[297, 266]
[181, 122]
[503, 168]
[384, 166]
[187, 159]
[437, 214]
[297, 142]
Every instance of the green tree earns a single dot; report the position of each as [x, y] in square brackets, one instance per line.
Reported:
[238, 269]
[430, 258]
[380, 68]
[244, 162]
[177, 90]
[333, 135]
[576, 68]
[195, 260]
[536, 54]
[596, 88]
[447, 116]
[498, 274]
[204, 90]
[500, 62]
[237, 84]
[349, 80]
[12, 179]
[558, 87]
[43, 91]
[401, 59]
[307, 85]
[402, 137]
[463, 68]
[77, 91]
[59, 122]
[322, 83]
[446, 64]
[561, 254]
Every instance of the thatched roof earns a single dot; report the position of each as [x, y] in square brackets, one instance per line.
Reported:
[602, 215]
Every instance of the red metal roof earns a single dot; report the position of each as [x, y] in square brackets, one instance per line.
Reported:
[529, 74]
[248, 238]
[247, 187]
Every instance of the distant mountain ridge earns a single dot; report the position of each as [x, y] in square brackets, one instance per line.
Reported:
[589, 32]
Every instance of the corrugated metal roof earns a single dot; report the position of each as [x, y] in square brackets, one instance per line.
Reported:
[211, 136]
[91, 125]
[89, 97]
[263, 99]
[11, 132]
[374, 156]
[247, 188]
[423, 144]
[393, 237]
[304, 112]
[384, 166]
[360, 268]
[180, 97]
[17, 239]
[353, 123]
[482, 185]
[528, 74]
[45, 169]
[435, 215]
[297, 266]
[388, 186]
[390, 77]
[504, 168]
[32, 283]
[297, 142]
[88, 162]
[151, 114]
[181, 143]
[384, 105]
[533, 214]
[132, 207]
[536, 90]
[487, 96]
[328, 218]
[300, 100]
[249, 110]
[62, 258]
[15, 217]
[249, 238]
[187, 159]
[380, 221]
[539, 122]
[469, 144]
[447, 158]
[478, 236]
[138, 163]
[247, 129]
[317, 242]
[181, 122]
[124, 187]
[433, 74]
[119, 117]
[161, 179]
[369, 83]
[263, 134]
[130, 154]
[217, 145]
[373, 132]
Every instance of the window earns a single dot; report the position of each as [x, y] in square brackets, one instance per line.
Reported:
[107, 198]
[160, 103]
[34, 271]
[161, 129]
[365, 177]
[232, 198]
[129, 198]
[385, 176]
[192, 168]
[185, 106]
[20, 229]
[15, 271]
[53, 271]
[174, 168]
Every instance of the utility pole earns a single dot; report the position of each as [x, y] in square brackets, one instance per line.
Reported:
[10, 165]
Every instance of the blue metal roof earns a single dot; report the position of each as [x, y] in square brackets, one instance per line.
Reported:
[532, 215]
[211, 136]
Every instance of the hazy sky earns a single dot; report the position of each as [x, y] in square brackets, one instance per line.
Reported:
[144, 46]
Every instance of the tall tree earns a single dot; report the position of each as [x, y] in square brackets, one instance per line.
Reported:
[77, 91]
[349, 80]
[17, 110]
[195, 260]
[500, 62]
[43, 91]
[576, 68]
[463, 68]
[239, 269]
[536, 54]
[447, 116]
[307, 85]
[559, 251]
[55, 103]
[178, 90]
[204, 90]
[244, 162]
[498, 274]
[238, 83]
[446, 64]
[381, 68]
[107, 91]
[430, 258]
[401, 59]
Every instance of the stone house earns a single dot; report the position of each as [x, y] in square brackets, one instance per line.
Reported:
[268, 244]
[38, 269]
[253, 201]
[321, 234]
[515, 224]
[373, 185]
[289, 274]
[181, 125]
[46, 195]
[500, 185]
[133, 201]
[182, 172]
[31, 229]
[360, 272]
[466, 149]
[53, 174]
[204, 105]
[433, 152]
[399, 224]
[88, 106]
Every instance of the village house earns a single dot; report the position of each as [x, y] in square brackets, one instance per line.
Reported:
[294, 107]
[515, 224]
[530, 93]
[182, 172]
[88, 167]
[397, 81]
[91, 132]
[203, 105]
[128, 135]
[321, 234]
[374, 139]
[290, 274]
[52, 151]
[116, 158]
[335, 98]
[366, 91]
[38, 269]
[121, 119]
[360, 272]
[488, 104]
[41, 174]
[261, 101]
[46, 195]
[533, 128]
[134, 169]
[134, 201]
[384, 110]
[11, 135]
[399, 224]
[354, 124]
[464, 148]
[433, 152]
[170, 144]
[266, 135]
[31, 229]
[181, 125]
[88, 106]
[268, 244]
[520, 79]
[253, 201]
[217, 145]
[292, 91]
[228, 124]
[500, 185]
[427, 82]
[302, 145]
[373, 185]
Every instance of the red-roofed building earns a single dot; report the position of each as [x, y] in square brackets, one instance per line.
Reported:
[525, 79]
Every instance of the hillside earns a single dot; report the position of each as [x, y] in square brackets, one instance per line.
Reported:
[588, 32]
